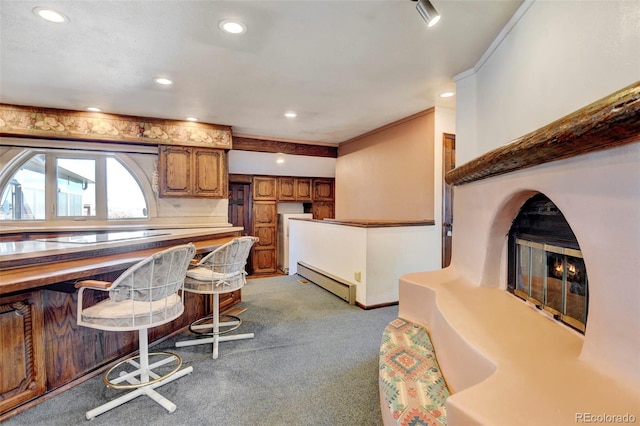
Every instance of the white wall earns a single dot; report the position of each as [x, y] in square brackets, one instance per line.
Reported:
[381, 255]
[559, 57]
[264, 163]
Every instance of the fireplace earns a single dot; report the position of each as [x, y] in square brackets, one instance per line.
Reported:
[545, 264]
[532, 218]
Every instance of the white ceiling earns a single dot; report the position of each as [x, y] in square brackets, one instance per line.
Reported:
[346, 67]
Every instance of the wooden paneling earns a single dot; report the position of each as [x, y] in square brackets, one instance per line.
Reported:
[22, 376]
[264, 145]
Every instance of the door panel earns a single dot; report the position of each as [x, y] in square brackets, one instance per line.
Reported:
[448, 163]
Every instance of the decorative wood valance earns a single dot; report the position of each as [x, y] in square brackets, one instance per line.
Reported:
[48, 123]
[241, 143]
[607, 123]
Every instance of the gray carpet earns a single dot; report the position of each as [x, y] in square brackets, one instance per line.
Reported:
[314, 361]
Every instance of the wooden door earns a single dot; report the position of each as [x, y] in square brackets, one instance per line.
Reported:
[448, 163]
[264, 227]
[240, 206]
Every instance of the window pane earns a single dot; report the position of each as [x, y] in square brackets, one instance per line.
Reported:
[23, 197]
[125, 199]
[76, 187]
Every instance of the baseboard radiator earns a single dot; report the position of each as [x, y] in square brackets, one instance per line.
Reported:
[341, 288]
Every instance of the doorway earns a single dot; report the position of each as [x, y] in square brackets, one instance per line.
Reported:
[448, 163]
[240, 211]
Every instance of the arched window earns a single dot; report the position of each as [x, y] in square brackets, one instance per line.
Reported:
[61, 185]
[546, 266]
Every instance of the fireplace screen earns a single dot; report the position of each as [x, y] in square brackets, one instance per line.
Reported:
[546, 266]
[553, 278]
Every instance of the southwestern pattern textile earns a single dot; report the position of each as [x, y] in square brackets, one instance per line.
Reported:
[410, 378]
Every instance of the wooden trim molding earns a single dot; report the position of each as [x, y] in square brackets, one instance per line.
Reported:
[265, 145]
[370, 223]
[607, 123]
[49, 123]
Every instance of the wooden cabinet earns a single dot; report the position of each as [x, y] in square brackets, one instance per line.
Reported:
[286, 189]
[323, 210]
[192, 172]
[263, 255]
[267, 192]
[294, 189]
[22, 350]
[303, 189]
[265, 188]
[323, 189]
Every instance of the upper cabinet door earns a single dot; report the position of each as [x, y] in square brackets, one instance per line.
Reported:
[323, 189]
[264, 188]
[192, 172]
[174, 171]
[286, 189]
[210, 173]
[303, 189]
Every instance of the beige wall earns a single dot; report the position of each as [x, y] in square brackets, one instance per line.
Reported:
[388, 174]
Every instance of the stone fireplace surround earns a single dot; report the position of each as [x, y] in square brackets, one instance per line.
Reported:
[505, 362]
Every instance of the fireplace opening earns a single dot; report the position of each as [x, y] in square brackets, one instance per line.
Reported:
[545, 264]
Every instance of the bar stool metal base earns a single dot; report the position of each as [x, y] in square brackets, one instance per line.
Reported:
[143, 380]
[215, 334]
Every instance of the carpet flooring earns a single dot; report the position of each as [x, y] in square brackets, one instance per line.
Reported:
[313, 361]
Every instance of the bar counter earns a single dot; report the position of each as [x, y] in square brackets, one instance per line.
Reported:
[52, 259]
[41, 341]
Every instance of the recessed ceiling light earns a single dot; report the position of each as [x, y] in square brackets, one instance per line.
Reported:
[93, 109]
[163, 81]
[447, 94]
[290, 114]
[280, 160]
[191, 119]
[233, 27]
[50, 15]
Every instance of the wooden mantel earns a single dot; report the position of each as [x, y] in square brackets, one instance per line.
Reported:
[612, 121]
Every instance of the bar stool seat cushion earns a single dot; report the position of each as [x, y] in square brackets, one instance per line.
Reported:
[205, 274]
[132, 313]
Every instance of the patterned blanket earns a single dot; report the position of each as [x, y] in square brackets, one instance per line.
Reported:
[410, 378]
